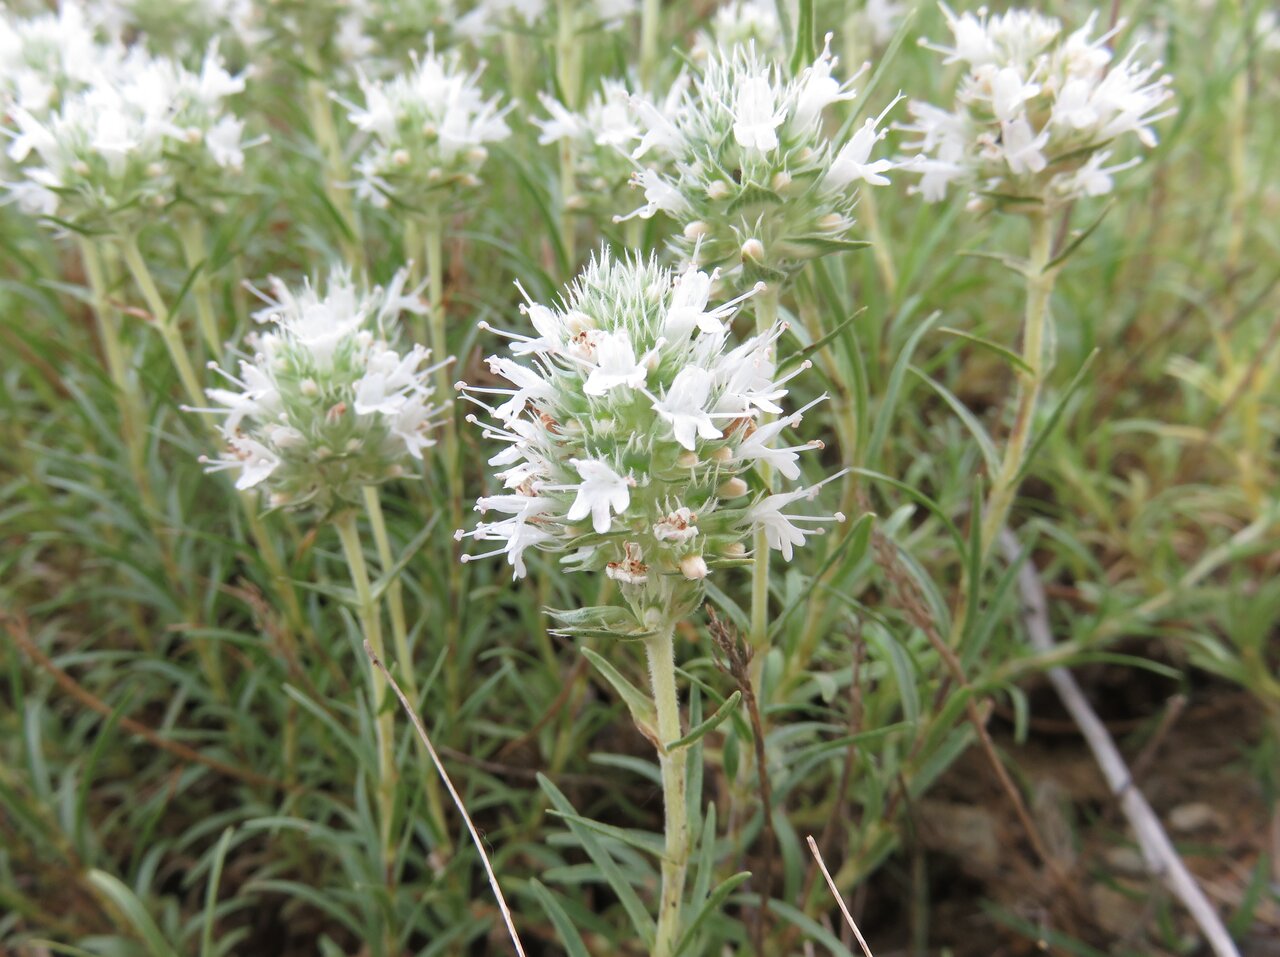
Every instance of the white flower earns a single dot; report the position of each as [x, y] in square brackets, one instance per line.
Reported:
[685, 407]
[616, 365]
[602, 490]
[784, 531]
[428, 128]
[756, 114]
[744, 163]
[1032, 111]
[619, 463]
[819, 89]
[854, 162]
[326, 404]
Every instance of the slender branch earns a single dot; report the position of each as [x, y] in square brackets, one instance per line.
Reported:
[1157, 850]
[660, 651]
[738, 657]
[384, 729]
[19, 632]
[844, 910]
[412, 712]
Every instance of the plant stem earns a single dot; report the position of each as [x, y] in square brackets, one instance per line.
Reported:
[437, 336]
[196, 255]
[1040, 279]
[163, 322]
[404, 656]
[650, 28]
[371, 626]
[660, 650]
[132, 415]
[267, 547]
[326, 133]
[766, 315]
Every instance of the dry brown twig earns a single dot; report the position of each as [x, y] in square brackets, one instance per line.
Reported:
[844, 910]
[906, 595]
[737, 664]
[18, 630]
[453, 793]
[1157, 850]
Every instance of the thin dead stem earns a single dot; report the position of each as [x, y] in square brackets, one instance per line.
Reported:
[737, 664]
[905, 593]
[844, 911]
[20, 633]
[453, 793]
[1157, 850]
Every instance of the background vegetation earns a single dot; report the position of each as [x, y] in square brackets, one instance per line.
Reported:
[186, 761]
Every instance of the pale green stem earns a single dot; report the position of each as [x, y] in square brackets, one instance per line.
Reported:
[132, 412]
[191, 235]
[384, 728]
[1040, 279]
[879, 242]
[132, 416]
[766, 314]
[437, 337]
[568, 75]
[163, 322]
[326, 133]
[650, 30]
[268, 550]
[660, 650]
[404, 656]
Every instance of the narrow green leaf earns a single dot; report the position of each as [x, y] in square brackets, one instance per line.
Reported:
[1007, 354]
[709, 907]
[1079, 238]
[889, 400]
[637, 702]
[211, 893]
[642, 841]
[988, 448]
[569, 936]
[1038, 442]
[805, 49]
[134, 912]
[706, 727]
[627, 897]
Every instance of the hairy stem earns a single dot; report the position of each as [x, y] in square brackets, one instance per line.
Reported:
[660, 650]
[1040, 279]
[404, 655]
[196, 255]
[650, 28]
[766, 315]
[371, 626]
[164, 323]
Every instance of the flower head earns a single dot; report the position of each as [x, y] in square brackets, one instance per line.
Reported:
[743, 162]
[1034, 111]
[135, 138]
[427, 130]
[631, 429]
[327, 403]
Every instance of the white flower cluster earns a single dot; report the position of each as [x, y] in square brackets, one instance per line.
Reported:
[427, 131]
[183, 27]
[744, 164]
[46, 57]
[632, 426]
[1036, 114]
[125, 133]
[742, 23]
[327, 403]
[489, 17]
[603, 135]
